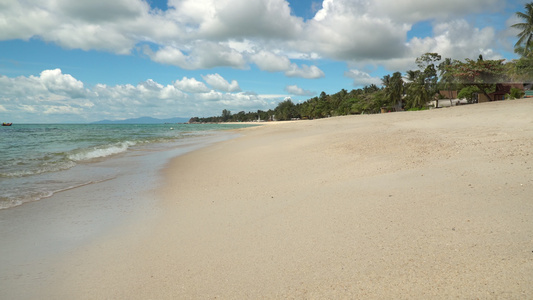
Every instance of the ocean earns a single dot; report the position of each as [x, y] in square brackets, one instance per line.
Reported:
[38, 161]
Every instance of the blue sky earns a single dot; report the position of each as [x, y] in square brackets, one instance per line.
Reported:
[83, 61]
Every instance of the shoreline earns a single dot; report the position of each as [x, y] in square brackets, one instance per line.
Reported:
[30, 174]
[38, 235]
[402, 205]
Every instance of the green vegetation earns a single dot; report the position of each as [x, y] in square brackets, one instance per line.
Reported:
[411, 92]
[524, 44]
[520, 69]
[414, 90]
[483, 74]
[468, 93]
[515, 94]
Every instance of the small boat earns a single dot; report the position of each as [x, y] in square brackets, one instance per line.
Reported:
[7, 124]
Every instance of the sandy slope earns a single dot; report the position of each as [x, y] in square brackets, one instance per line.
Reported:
[405, 205]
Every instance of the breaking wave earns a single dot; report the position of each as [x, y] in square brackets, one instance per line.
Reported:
[100, 151]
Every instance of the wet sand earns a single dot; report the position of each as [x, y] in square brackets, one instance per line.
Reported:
[36, 237]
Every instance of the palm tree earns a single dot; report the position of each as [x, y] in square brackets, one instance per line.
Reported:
[417, 91]
[386, 82]
[393, 88]
[525, 37]
[397, 89]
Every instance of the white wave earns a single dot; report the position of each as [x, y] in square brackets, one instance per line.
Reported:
[101, 151]
[45, 168]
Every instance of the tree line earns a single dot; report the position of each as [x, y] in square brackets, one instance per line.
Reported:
[414, 89]
[411, 91]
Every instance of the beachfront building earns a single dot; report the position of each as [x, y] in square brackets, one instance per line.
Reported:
[502, 89]
[448, 98]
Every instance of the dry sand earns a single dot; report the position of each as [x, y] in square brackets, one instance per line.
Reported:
[432, 204]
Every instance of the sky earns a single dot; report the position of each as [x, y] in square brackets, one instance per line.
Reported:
[88, 60]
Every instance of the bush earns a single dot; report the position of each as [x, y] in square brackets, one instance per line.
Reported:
[515, 94]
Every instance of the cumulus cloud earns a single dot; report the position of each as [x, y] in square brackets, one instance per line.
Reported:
[89, 37]
[102, 10]
[361, 78]
[238, 18]
[65, 109]
[22, 20]
[98, 25]
[191, 85]
[375, 32]
[50, 85]
[207, 55]
[203, 34]
[204, 55]
[418, 10]
[348, 30]
[268, 61]
[51, 94]
[296, 90]
[305, 71]
[219, 83]
[62, 84]
[457, 39]
[167, 55]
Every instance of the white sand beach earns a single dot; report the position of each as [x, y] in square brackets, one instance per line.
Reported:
[430, 204]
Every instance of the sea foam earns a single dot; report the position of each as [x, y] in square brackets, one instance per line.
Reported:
[101, 151]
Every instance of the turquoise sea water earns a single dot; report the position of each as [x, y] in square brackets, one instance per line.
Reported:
[40, 160]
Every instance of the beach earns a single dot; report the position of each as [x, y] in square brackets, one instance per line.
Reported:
[428, 204]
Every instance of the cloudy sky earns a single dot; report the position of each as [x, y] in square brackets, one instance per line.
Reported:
[87, 60]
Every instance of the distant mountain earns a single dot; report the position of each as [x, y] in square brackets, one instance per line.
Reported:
[143, 120]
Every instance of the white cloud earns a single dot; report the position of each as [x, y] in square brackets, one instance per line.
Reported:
[242, 18]
[204, 55]
[295, 90]
[376, 31]
[89, 37]
[149, 86]
[207, 55]
[268, 61]
[210, 96]
[219, 83]
[508, 37]
[28, 108]
[418, 10]
[191, 85]
[305, 71]
[457, 39]
[362, 78]
[87, 25]
[203, 34]
[23, 20]
[62, 84]
[50, 85]
[168, 56]
[102, 10]
[44, 98]
[348, 30]
[64, 109]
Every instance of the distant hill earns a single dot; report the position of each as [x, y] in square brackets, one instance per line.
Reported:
[143, 120]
